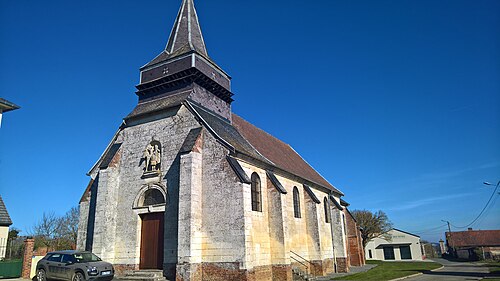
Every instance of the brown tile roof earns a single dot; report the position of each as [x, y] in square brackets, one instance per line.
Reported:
[281, 154]
[4, 215]
[474, 238]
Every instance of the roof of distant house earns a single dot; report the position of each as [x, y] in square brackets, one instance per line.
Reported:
[6, 105]
[4, 215]
[473, 238]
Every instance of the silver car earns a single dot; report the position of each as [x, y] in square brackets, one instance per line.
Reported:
[74, 266]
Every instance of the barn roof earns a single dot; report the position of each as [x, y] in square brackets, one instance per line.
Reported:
[473, 238]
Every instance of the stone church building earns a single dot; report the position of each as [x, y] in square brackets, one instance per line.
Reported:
[189, 188]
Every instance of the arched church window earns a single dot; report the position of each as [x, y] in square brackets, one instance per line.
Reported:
[296, 202]
[256, 193]
[152, 197]
[327, 213]
[152, 157]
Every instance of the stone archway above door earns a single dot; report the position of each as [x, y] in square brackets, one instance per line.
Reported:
[150, 199]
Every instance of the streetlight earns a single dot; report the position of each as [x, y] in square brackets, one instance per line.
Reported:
[490, 184]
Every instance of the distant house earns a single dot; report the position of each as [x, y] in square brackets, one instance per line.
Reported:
[394, 245]
[5, 106]
[5, 222]
[474, 244]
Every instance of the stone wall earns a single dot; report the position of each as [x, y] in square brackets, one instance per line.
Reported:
[211, 232]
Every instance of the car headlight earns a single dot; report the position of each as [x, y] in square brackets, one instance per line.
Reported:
[92, 271]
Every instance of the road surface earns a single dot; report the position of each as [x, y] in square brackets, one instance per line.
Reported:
[454, 271]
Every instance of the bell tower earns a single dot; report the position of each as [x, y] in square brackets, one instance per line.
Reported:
[185, 67]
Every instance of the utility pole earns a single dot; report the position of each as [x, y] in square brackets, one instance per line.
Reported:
[449, 231]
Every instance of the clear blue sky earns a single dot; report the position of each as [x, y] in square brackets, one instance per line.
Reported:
[397, 103]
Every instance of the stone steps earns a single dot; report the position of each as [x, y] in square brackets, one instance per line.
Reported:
[143, 275]
[300, 275]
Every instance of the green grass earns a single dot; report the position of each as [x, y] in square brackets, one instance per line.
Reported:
[494, 271]
[391, 270]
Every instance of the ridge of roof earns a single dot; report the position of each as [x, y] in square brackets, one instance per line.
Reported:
[277, 150]
[406, 232]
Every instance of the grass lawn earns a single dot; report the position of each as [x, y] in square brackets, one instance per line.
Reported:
[494, 270]
[391, 270]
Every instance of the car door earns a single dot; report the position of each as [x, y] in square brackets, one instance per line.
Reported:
[67, 268]
[53, 266]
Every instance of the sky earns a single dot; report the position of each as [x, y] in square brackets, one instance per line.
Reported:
[396, 103]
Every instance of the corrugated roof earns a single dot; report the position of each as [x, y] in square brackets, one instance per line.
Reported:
[4, 215]
[281, 154]
[474, 238]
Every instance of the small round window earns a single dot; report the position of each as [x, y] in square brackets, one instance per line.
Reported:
[152, 197]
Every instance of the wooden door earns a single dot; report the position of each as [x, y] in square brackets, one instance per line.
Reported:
[152, 241]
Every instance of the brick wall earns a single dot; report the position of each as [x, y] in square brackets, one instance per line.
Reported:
[28, 254]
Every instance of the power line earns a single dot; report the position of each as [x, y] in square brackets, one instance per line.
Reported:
[491, 197]
[429, 230]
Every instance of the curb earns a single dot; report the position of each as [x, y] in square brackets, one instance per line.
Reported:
[414, 275]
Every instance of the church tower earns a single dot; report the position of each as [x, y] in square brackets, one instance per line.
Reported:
[184, 66]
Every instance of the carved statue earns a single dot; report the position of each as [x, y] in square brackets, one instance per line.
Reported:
[152, 158]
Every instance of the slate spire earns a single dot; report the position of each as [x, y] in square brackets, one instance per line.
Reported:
[186, 34]
[184, 64]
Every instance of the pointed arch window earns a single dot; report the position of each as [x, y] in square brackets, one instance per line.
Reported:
[327, 213]
[296, 202]
[256, 193]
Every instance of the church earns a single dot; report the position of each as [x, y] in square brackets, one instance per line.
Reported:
[190, 189]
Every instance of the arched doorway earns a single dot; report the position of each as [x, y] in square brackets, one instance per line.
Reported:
[151, 209]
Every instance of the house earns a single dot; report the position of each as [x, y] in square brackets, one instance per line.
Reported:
[5, 222]
[192, 190]
[474, 244]
[6, 106]
[394, 245]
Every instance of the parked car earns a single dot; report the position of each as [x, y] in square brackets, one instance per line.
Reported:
[74, 266]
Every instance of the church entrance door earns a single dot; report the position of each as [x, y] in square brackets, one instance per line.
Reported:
[152, 241]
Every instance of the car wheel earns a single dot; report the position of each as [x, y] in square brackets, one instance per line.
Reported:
[40, 275]
[78, 276]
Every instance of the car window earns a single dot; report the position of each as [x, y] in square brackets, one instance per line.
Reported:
[86, 257]
[68, 259]
[55, 257]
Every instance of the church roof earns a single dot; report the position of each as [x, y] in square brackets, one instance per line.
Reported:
[185, 37]
[4, 215]
[245, 138]
[281, 154]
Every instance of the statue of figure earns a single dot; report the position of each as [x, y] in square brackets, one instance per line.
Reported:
[152, 157]
[155, 157]
[148, 154]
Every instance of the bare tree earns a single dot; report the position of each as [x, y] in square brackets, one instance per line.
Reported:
[373, 224]
[45, 230]
[57, 233]
[68, 225]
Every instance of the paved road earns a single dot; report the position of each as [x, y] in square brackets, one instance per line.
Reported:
[454, 271]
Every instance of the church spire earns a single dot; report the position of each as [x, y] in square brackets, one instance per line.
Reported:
[184, 65]
[186, 34]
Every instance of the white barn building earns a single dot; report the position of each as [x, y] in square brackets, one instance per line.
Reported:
[394, 245]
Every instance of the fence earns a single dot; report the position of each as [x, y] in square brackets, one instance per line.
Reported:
[11, 269]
